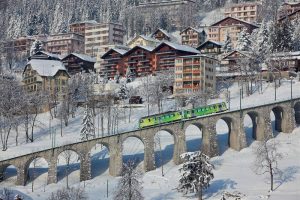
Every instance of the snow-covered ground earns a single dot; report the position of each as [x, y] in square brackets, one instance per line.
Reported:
[232, 169]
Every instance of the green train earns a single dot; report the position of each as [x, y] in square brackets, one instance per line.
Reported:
[168, 117]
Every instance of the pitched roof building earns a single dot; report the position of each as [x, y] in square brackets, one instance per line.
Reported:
[77, 63]
[229, 25]
[192, 37]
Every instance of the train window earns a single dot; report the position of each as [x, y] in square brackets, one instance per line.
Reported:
[149, 120]
[192, 111]
[142, 121]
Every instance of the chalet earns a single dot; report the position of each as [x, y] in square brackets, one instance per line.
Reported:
[229, 63]
[142, 40]
[211, 48]
[286, 61]
[288, 8]
[45, 75]
[77, 63]
[163, 35]
[192, 37]
[229, 25]
[166, 52]
[113, 63]
[291, 17]
[139, 60]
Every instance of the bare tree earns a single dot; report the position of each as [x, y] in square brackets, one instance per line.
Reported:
[69, 157]
[129, 186]
[6, 194]
[266, 159]
[69, 194]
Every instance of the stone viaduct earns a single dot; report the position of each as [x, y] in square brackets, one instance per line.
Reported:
[285, 121]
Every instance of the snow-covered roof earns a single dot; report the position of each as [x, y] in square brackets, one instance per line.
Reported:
[180, 47]
[83, 57]
[147, 38]
[146, 47]
[245, 22]
[195, 29]
[46, 67]
[120, 51]
[211, 41]
[86, 21]
[163, 31]
[56, 56]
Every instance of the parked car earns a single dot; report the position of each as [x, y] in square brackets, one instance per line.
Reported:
[135, 100]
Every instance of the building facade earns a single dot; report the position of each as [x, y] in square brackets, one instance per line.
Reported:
[194, 74]
[65, 43]
[218, 31]
[142, 40]
[288, 8]
[249, 12]
[192, 37]
[211, 48]
[79, 63]
[45, 75]
[101, 37]
[80, 27]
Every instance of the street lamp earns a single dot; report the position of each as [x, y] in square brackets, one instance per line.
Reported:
[291, 78]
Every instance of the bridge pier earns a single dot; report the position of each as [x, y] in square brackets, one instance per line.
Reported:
[115, 157]
[179, 146]
[85, 167]
[288, 119]
[209, 141]
[149, 156]
[237, 138]
[52, 170]
[22, 174]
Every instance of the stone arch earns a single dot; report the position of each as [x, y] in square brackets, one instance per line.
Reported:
[278, 112]
[254, 116]
[32, 174]
[297, 112]
[69, 163]
[7, 175]
[228, 139]
[134, 151]
[98, 161]
[164, 150]
[196, 140]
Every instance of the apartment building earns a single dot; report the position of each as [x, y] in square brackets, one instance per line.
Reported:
[217, 32]
[79, 27]
[21, 46]
[192, 37]
[288, 8]
[144, 60]
[249, 12]
[100, 37]
[194, 74]
[65, 43]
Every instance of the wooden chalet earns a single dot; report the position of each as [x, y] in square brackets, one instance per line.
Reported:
[192, 37]
[79, 63]
[161, 34]
[211, 48]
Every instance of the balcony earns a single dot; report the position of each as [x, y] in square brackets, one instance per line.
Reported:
[187, 79]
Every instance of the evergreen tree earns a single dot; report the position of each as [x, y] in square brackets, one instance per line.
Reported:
[296, 36]
[129, 186]
[88, 129]
[227, 44]
[123, 93]
[197, 173]
[243, 43]
[36, 46]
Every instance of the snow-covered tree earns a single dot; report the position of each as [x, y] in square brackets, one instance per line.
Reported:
[243, 43]
[259, 43]
[69, 194]
[123, 92]
[227, 44]
[36, 46]
[130, 184]
[266, 159]
[296, 36]
[197, 173]
[88, 129]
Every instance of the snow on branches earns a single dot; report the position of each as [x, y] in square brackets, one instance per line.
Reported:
[197, 173]
[129, 186]
[88, 129]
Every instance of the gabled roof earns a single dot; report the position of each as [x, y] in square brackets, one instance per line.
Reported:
[178, 47]
[220, 44]
[145, 38]
[150, 49]
[195, 29]
[119, 51]
[244, 53]
[50, 55]
[46, 67]
[163, 31]
[82, 57]
[226, 18]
